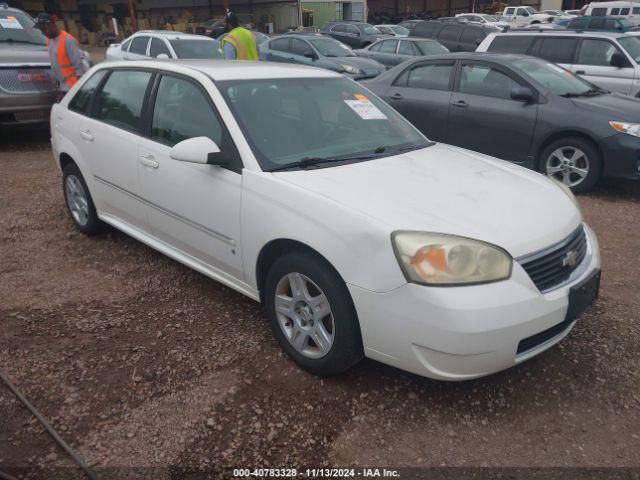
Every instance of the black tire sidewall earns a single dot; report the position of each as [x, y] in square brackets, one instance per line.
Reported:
[595, 161]
[347, 346]
[93, 225]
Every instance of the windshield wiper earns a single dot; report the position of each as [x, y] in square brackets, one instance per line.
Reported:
[315, 161]
[592, 92]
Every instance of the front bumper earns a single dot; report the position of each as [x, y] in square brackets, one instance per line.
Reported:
[460, 333]
[25, 108]
[621, 156]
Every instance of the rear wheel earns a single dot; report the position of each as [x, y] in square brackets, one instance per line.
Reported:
[79, 201]
[312, 315]
[573, 161]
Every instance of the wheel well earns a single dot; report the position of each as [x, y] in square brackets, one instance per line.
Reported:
[275, 249]
[558, 136]
[65, 159]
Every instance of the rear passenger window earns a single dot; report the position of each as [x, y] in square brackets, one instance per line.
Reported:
[158, 47]
[486, 81]
[389, 46]
[472, 36]
[578, 23]
[596, 23]
[624, 11]
[511, 44]
[432, 76]
[610, 24]
[450, 33]
[425, 29]
[599, 12]
[119, 103]
[181, 112]
[636, 10]
[339, 28]
[556, 50]
[407, 48]
[615, 11]
[80, 102]
[139, 45]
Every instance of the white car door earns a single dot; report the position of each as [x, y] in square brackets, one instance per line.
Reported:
[593, 63]
[138, 48]
[195, 208]
[110, 140]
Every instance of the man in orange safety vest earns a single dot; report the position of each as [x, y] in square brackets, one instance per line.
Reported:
[67, 64]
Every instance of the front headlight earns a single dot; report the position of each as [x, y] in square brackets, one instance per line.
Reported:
[628, 128]
[439, 259]
[351, 69]
[568, 193]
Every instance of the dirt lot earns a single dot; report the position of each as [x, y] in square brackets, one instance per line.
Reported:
[140, 362]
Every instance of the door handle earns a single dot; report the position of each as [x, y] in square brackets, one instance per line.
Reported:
[148, 161]
[580, 72]
[396, 96]
[86, 135]
[460, 104]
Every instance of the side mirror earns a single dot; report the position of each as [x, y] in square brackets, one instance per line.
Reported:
[198, 150]
[522, 94]
[525, 14]
[311, 55]
[618, 60]
[162, 56]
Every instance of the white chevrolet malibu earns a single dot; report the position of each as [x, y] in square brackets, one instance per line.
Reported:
[301, 189]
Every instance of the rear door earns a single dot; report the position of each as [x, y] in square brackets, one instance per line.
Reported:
[560, 50]
[422, 94]
[593, 63]
[278, 50]
[472, 36]
[483, 116]
[138, 48]
[449, 36]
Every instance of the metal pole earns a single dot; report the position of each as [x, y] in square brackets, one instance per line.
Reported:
[300, 14]
[132, 14]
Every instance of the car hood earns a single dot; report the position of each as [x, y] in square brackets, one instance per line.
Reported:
[614, 105]
[450, 190]
[23, 54]
[367, 65]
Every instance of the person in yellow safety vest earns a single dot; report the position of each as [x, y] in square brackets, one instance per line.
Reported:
[66, 57]
[239, 43]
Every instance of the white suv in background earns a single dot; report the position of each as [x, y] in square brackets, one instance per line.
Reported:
[606, 59]
[628, 10]
[164, 44]
[484, 19]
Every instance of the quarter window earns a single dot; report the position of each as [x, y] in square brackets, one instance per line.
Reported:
[511, 44]
[158, 47]
[119, 103]
[139, 45]
[596, 52]
[486, 81]
[182, 111]
[125, 46]
[80, 102]
[599, 12]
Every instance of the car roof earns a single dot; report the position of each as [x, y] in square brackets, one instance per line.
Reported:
[4, 7]
[566, 33]
[169, 34]
[221, 70]
[496, 57]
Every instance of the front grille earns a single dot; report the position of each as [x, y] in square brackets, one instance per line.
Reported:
[533, 341]
[26, 80]
[554, 265]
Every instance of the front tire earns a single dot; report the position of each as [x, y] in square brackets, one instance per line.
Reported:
[79, 201]
[573, 161]
[312, 315]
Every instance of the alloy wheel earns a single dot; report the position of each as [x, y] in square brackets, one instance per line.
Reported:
[570, 165]
[304, 315]
[77, 200]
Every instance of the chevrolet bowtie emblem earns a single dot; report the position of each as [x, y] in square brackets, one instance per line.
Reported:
[570, 259]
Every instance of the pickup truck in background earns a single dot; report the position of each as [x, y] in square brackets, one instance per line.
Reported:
[522, 16]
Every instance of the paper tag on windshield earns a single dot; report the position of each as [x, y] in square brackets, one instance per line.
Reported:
[366, 110]
[10, 22]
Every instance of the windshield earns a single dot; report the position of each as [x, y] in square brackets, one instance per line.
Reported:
[19, 27]
[196, 49]
[631, 45]
[531, 10]
[331, 48]
[558, 80]
[489, 18]
[293, 119]
[371, 30]
[400, 30]
[430, 48]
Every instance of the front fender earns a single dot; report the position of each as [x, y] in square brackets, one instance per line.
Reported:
[357, 246]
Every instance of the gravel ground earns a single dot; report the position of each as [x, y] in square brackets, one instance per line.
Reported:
[140, 362]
